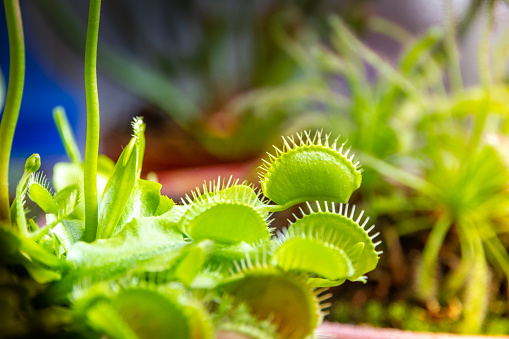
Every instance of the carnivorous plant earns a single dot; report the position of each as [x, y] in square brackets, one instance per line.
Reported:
[114, 257]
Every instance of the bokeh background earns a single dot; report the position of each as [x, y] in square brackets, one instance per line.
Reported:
[201, 56]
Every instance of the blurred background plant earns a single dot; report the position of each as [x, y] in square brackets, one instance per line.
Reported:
[435, 153]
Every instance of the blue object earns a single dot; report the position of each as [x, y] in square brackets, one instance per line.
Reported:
[35, 131]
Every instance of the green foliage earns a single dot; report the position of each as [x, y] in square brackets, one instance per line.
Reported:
[153, 257]
[434, 157]
[128, 262]
[155, 269]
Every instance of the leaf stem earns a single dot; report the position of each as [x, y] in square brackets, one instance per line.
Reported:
[428, 267]
[92, 144]
[400, 175]
[66, 134]
[13, 99]
[455, 78]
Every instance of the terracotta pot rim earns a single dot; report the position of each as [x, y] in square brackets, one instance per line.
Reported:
[345, 331]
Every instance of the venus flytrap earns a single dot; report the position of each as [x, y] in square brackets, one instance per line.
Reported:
[141, 266]
[32, 165]
[66, 134]
[296, 164]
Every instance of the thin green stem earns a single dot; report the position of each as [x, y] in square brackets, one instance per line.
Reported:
[92, 145]
[485, 77]
[427, 270]
[66, 134]
[476, 295]
[451, 47]
[395, 173]
[483, 53]
[346, 37]
[13, 99]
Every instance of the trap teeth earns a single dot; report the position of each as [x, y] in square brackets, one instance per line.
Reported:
[310, 169]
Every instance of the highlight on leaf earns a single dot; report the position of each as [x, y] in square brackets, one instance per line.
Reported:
[310, 168]
[226, 212]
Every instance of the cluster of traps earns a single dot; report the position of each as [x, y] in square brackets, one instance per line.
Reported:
[225, 251]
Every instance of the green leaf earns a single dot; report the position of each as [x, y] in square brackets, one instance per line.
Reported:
[191, 262]
[66, 134]
[419, 51]
[68, 232]
[118, 190]
[39, 193]
[310, 170]
[67, 199]
[32, 165]
[66, 174]
[226, 215]
[9, 242]
[143, 202]
[15, 249]
[41, 274]
[103, 317]
[38, 253]
[313, 256]
[283, 298]
[323, 232]
[165, 205]
[122, 182]
[151, 240]
[144, 311]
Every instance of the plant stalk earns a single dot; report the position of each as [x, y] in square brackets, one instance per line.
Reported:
[13, 99]
[455, 78]
[426, 282]
[93, 122]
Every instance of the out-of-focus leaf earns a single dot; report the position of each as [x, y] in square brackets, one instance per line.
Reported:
[67, 199]
[66, 174]
[9, 242]
[66, 134]
[192, 261]
[40, 274]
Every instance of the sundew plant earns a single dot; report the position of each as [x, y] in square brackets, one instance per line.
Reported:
[114, 257]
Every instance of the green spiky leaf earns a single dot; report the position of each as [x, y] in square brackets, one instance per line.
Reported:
[287, 300]
[225, 214]
[40, 194]
[122, 182]
[310, 169]
[329, 244]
